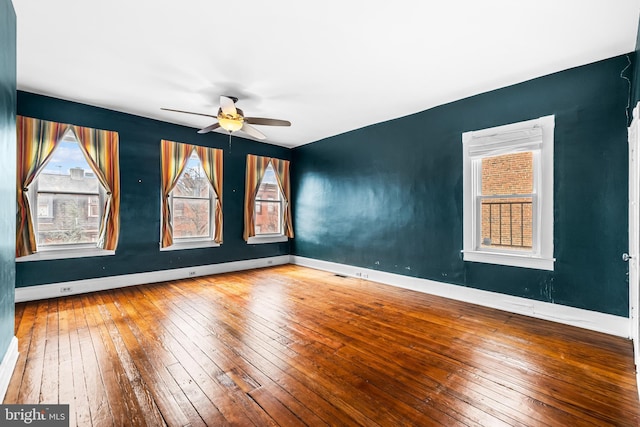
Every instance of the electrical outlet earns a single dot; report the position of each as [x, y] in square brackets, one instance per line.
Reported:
[192, 273]
[365, 276]
[65, 290]
[358, 274]
[269, 262]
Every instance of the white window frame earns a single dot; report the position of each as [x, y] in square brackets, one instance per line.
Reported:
[270, 237]
[260, 238]
[196, 242]
[532, 135]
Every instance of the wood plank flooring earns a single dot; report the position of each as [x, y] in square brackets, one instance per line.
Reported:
[291, 346]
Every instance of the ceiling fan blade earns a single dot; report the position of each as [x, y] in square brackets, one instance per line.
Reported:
[251, 131]
[228, 105]
[209, 128]
[188, 112]
[266, 122]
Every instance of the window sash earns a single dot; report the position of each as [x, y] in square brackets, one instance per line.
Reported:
[211, 217]
[35, 194]
[50, 219]
[503, 248]
[477, 196]
[259, 210]
[271, 207]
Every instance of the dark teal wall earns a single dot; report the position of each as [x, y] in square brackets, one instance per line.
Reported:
[138, 247]
[389, 196]
[635, 75]
[7, 171]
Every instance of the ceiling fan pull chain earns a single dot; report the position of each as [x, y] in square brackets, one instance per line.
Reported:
[229, 142]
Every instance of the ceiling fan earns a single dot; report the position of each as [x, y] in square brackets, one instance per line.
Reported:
[232, 119]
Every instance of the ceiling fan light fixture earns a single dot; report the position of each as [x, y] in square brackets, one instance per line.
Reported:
[231, 121]
[231, 124]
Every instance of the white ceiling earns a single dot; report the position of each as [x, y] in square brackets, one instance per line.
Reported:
[328, 67]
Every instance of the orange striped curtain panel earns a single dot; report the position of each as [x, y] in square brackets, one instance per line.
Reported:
[256, 167]
[36, 141]
[101, 149]
[173, 159]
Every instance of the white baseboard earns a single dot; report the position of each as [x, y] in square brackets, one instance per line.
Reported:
[601, 322]
[54, 290]
[7, 366]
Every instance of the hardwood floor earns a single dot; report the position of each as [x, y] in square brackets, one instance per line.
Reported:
[292, 346]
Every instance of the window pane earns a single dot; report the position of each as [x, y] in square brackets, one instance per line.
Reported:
[68, 197]
[70, 223]
[193, 182]
[507, 223]
[508, 174]
[191, 203]
[268, 186]
[268, 220]
[191, 218]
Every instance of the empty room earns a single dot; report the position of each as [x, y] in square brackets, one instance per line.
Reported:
[304, 214]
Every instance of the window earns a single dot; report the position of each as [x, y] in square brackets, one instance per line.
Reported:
[68, 190]
[193, 204]
[94, 206]
[267, 211]
[508, 194]
[67, 194]
[45, 208]
[269, 195]
[191, 179]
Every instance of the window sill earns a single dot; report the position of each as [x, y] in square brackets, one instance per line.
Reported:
[513, 260]
[65, 254]
[274, 238]
[190, 245]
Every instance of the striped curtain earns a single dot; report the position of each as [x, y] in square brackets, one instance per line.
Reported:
[173, 159]
[36, 142]
[282, 174]
[211, 159]
[256, 166]
[101, 149]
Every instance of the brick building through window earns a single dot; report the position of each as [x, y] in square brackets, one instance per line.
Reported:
[268, 218]
[507, 201]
